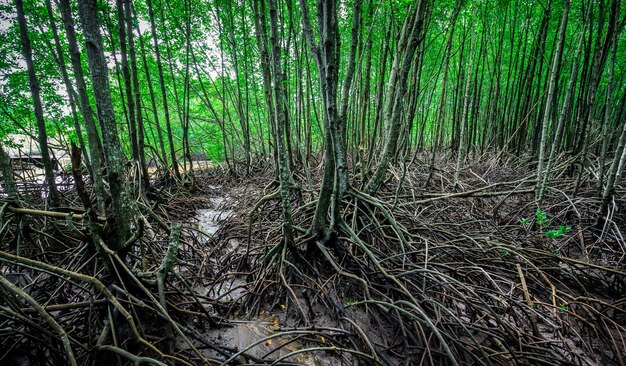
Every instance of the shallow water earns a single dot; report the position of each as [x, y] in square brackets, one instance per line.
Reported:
[209, 219]
[241, 334]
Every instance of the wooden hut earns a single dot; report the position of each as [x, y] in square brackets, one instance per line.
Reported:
[25, 153]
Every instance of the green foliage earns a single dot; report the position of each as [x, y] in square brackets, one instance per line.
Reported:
[543, 221]
[557, 233]
[352, 303]
[228, 75]
[541, 218]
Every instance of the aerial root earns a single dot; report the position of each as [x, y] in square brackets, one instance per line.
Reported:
[457, 275]
[442, 277]
[75, 286]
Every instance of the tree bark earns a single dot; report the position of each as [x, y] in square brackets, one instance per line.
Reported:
[326, 56]
[166, 111]
[60, 59]
[93, 138]
[280, 121]
[114, 156]
[42, 134]
[549, 102]
[260, 30]
[396, 90]
[466, 106]
[141, 145]
[128, 87]
[607, 117]
[567, 100]
[155, 112]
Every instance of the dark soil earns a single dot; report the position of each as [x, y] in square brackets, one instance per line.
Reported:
[433, 274]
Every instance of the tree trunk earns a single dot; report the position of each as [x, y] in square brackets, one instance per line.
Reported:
[114, 156]
[93, 139]
[60, 59]
[280, 121]
[442, 100]
[460, 157]
[396, 91]
[128, 87]
[137, 95]
[607, 118]
[326, 56]
[549, 102]
[239, 102]
[567, 100]
[619, 160]
[525, 108]
[166, 111]
[155, 112]
[42, 134]
[599, 60]
[260, 30]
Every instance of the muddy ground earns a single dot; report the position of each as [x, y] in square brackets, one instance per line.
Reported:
[437, 274]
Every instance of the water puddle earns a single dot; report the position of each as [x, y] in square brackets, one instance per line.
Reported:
[244, 334]
[209, 219]
[249, 336]
[229, 290]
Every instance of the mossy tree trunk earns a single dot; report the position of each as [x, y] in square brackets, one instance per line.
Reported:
[114, 156]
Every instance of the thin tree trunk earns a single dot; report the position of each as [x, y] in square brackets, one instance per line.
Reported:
[280, 121]
[340, 116]
[42, 134]
[525, 108]
[171, 68]
[549, 102]
[137, 95]
[371, 145]
[365, 103]
[260, 30]
[442, 100]
[186, 94]
[128, 87]
[619, 161]
[166, 112]
[155, 112]
[93, 139]
[239, 103]
[466, 106]
[599, 60]
[607, 118]
[115, 159]
[60, 59]
[326, 56]
[396, 91]
[567, 100]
